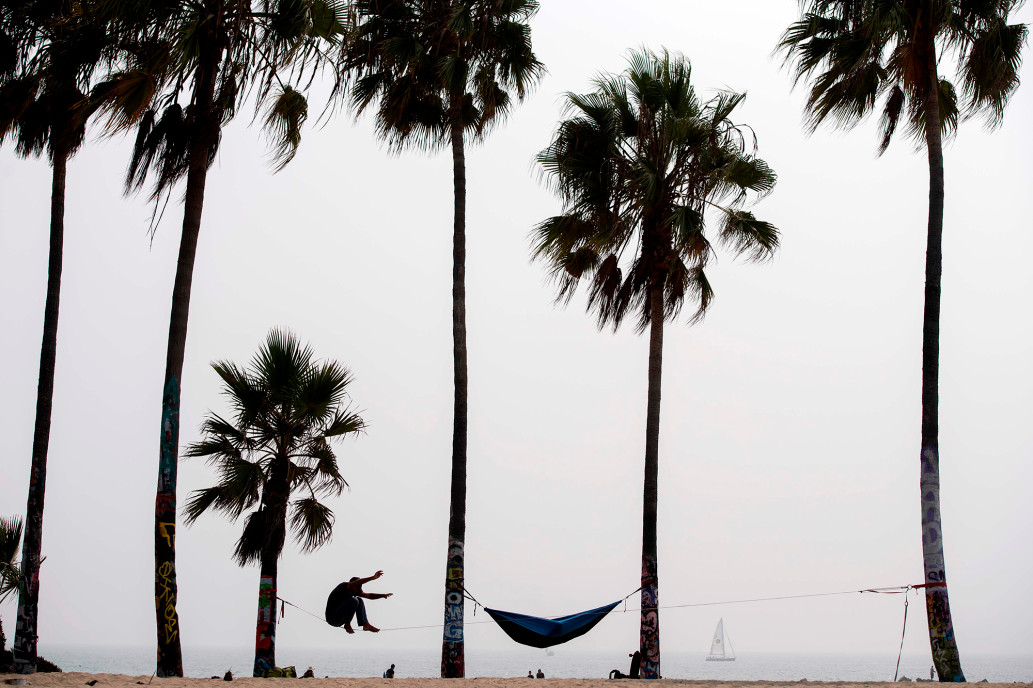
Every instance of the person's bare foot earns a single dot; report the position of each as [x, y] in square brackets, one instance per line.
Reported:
[370, 627]
[348, 628]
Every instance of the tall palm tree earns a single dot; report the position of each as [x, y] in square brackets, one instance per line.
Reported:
[215, 53]
[287, 408]
[857, 53]
[443, 72]
[640, 164]
[53, 51]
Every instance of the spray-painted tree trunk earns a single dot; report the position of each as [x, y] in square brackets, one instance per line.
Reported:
[26, 634]
[453, 662]
[274, 515]
[649, 629]
[265, 629]
[941, 629]
[170, 654]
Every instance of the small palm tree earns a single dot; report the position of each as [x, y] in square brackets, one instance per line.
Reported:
[54, 50]
[212, 55]
[640, 164]
[10, 575]
[443, 72]
[858, 53]
[10, 543]
[275, 461]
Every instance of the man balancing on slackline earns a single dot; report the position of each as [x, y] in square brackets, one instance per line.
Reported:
[346, 601]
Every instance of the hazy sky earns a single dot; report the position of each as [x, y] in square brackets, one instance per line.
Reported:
[790, 425]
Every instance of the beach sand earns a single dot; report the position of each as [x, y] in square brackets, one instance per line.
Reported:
[77, 680]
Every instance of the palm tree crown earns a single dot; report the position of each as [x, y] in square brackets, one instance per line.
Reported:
[863, 52]
[287, 409]
[640, 164]
[428, 64]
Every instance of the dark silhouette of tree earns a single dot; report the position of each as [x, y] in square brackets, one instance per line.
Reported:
[49, 52]
[275, 461]
[640, 163]
[858, 53]
[443, 72]
[213, 54]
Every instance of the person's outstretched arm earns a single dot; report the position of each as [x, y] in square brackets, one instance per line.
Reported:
[363, 581]
[375, 595]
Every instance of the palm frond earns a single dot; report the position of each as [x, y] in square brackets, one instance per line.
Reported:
[10, 538]
[991, 68]
[745, 235]
[312, 524]
[283, 120]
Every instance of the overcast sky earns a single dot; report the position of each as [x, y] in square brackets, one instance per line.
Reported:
[789, 448]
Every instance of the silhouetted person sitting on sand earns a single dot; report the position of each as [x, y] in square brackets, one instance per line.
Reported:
[539, 674]
[636, 662]
[390, 673]
[346, 601]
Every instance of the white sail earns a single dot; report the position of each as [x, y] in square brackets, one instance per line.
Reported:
[720, 650]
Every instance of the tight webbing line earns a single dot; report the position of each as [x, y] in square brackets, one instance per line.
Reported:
[895, 590]
[291, 604]
[881, 591]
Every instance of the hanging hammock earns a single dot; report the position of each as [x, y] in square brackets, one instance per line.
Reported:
[539, 632]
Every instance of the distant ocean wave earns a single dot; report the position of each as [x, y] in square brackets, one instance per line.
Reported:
[345, 662]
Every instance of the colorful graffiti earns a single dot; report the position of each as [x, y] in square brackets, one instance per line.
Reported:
[649, 631]
[941, 628]
[265, 630]
[452, 656]
[170, 656]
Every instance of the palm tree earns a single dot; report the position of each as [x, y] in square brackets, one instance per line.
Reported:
[215, 53]
[287, 409]
[54, 50]
[640, 163]
[857, 53]
[444, 72]
[10, 575]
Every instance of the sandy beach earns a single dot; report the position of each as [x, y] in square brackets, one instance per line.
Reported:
[76, 680]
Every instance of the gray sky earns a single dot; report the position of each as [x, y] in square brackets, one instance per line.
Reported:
[790, 423]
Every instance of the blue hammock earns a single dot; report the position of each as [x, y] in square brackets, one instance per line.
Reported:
[538, 632]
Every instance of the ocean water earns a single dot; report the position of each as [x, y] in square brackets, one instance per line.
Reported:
[206, 662]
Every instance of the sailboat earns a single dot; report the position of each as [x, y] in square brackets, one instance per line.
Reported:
[718, 651]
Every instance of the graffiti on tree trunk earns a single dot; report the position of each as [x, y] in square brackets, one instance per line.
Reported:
[265, 633]
[649, 634]
[452, 658]
[941, 629]
[26, 636]
[170, 659]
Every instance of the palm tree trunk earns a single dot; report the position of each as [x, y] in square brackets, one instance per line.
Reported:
[941, 629]
[265, 629]
[649, 629]
[453, 662]
[26, 632]
[170, 654]
[274, 511]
